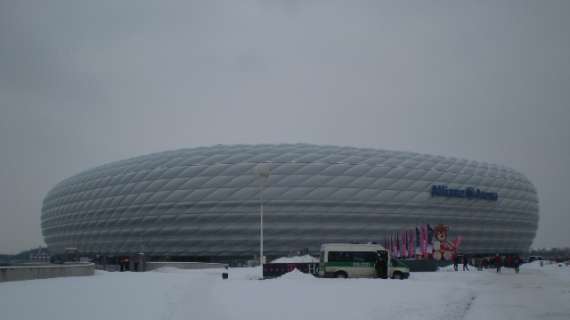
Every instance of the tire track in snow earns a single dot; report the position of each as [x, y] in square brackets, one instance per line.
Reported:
[468, 306]
[459, 309]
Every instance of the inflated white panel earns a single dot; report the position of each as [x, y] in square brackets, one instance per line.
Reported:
[205, 201]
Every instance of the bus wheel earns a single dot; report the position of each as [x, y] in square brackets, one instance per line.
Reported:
[341, 274]
[397, 275]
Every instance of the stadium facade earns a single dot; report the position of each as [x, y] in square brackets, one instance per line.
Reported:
[204, 202]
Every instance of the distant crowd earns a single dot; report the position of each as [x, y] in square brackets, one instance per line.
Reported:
[497, 262]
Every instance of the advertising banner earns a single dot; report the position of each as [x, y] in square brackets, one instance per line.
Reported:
[423, 242]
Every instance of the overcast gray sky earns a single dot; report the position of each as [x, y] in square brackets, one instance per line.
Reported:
[83, 83]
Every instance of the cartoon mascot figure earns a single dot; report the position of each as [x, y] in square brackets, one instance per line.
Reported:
[442, 248]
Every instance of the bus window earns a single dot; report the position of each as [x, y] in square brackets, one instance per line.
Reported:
[336, 256]
[364, 256]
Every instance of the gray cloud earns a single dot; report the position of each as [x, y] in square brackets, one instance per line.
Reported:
[84, 83]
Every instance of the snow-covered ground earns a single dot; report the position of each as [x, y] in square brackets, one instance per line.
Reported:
[296, 259]
[535, 293]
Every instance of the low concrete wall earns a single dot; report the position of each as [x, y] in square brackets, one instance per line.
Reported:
[183, 265]
[29, 272]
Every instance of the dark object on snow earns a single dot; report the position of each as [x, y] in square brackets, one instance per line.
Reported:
[456, 263]
[425, 265]
[465, 263]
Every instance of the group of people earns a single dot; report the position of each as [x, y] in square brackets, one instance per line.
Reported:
[508, 262]
[464, 259]
[498, 262]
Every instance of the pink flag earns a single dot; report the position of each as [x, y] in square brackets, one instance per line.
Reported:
[423, 240]
[412, 246]
[393, 244]
[404, 244]
[457, 242]
[407, 239]
[398, 245]
[407, 233]
[412, 243]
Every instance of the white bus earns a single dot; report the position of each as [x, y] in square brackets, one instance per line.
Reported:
[348, 260]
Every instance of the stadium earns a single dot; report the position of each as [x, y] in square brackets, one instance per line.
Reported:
[204, 203]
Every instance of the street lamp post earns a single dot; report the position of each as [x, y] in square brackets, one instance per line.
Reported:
[263, 171]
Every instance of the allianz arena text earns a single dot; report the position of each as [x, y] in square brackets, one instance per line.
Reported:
[204, 202]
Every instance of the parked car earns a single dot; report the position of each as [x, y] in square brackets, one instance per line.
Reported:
[535, 258]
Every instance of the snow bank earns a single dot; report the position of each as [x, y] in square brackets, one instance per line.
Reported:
[296, 259]
[448, 268]
[297, 275]
[169, 270]
[537, 264]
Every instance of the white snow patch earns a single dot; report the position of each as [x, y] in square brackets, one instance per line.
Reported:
[296, 259]
[169, 270]
[448, 268]
[537, 264]
[297, 275]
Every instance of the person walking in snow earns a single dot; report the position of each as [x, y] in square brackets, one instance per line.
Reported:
[498, 262]
[465, 263]
[509, 262]
[517, 264]
[456, 263]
